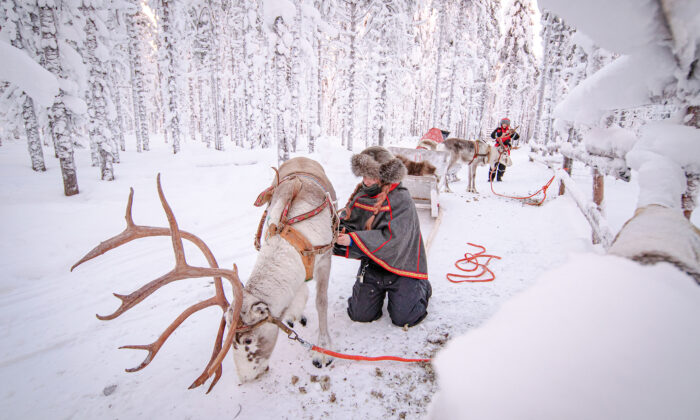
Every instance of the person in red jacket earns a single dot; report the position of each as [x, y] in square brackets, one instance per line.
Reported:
[503, 135]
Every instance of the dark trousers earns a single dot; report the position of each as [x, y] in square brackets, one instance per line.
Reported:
[408, 297]
[497, 171]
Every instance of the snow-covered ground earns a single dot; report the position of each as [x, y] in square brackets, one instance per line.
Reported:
[58, 361]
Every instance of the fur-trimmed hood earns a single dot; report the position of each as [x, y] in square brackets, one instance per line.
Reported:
[378, 162]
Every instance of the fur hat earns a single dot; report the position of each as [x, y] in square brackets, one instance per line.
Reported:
[377, 162]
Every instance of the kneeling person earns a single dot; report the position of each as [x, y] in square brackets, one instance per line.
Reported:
[384, 233]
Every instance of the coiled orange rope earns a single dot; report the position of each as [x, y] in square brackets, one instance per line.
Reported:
[473, 259]
[537, 203]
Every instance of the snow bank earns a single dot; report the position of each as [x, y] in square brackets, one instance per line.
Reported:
[19, 69]
[628, 82]
[598, 338]
[623, 26]
[663, 154]
[609, 142]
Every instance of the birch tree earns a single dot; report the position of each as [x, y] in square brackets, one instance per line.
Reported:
[58, 114]
[138, 92]
[281, 64]
[167, 43]
[18, 18]
[97, 96]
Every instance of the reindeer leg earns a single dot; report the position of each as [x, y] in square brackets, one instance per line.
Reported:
[322, 273]
[447, 174]
[472, 178]
[295, 310]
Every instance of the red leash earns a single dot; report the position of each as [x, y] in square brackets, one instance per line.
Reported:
[365, 358]
[292, 335]
[543, 190]
[473, 259]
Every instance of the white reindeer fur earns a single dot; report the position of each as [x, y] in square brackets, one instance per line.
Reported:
[276, 284]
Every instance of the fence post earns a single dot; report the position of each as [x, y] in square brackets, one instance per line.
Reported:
[598, 195]
[567, 167]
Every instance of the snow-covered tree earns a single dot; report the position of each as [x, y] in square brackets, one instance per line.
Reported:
[169, 69]
[98, 124]
[517, 61]
[134, 23]
[58, 114]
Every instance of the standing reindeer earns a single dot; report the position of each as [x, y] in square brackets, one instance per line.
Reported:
[294, 250]
[473, 153]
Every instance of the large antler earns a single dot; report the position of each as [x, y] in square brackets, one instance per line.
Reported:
[181, 271]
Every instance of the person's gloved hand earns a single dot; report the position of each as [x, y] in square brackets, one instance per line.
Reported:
[340, 250]
[341, 245]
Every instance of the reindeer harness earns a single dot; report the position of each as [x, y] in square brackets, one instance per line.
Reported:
[284, 229]
[476, 150]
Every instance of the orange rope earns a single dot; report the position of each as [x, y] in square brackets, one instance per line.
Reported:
[473, 259]
[543, 189]
[370, 359]
[292, 335]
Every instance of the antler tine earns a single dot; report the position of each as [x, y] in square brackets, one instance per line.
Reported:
[174, 229]
[231, 275]
[215, 352]
[153, 348]
[215, 364]
[181, 271]
[115, 241]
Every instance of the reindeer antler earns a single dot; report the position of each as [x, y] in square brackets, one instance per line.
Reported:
[181, 271]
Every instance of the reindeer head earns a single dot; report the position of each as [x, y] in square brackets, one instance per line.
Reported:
[252, 347]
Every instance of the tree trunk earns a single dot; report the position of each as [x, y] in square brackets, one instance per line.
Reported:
[58, 115]
[118, 129]
[350, 109]
[568, 162]
[193, 109]
[438, 64]
[172, 123]
[281, 85]
[137, 88]
[36, 153]
[689, 198]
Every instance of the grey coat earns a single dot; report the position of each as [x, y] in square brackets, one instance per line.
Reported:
[394, 241]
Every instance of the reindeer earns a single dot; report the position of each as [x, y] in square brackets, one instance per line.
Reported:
[473, 153]
[276, 289]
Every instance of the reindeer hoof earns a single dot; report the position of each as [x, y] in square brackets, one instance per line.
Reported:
[303, 320]
[321, 360]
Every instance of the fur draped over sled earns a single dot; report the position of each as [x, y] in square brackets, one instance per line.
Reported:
[417, 168]
[377, 162]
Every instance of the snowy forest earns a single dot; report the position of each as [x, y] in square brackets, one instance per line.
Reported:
[277, 74]
[97, 96]
[280, 73]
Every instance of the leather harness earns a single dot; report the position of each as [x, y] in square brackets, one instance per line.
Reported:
[476, 151]
[284, 229]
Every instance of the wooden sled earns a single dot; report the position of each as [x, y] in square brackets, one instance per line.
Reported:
[425, 190]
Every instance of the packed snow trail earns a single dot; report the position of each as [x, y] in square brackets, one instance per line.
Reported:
[59, 361]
